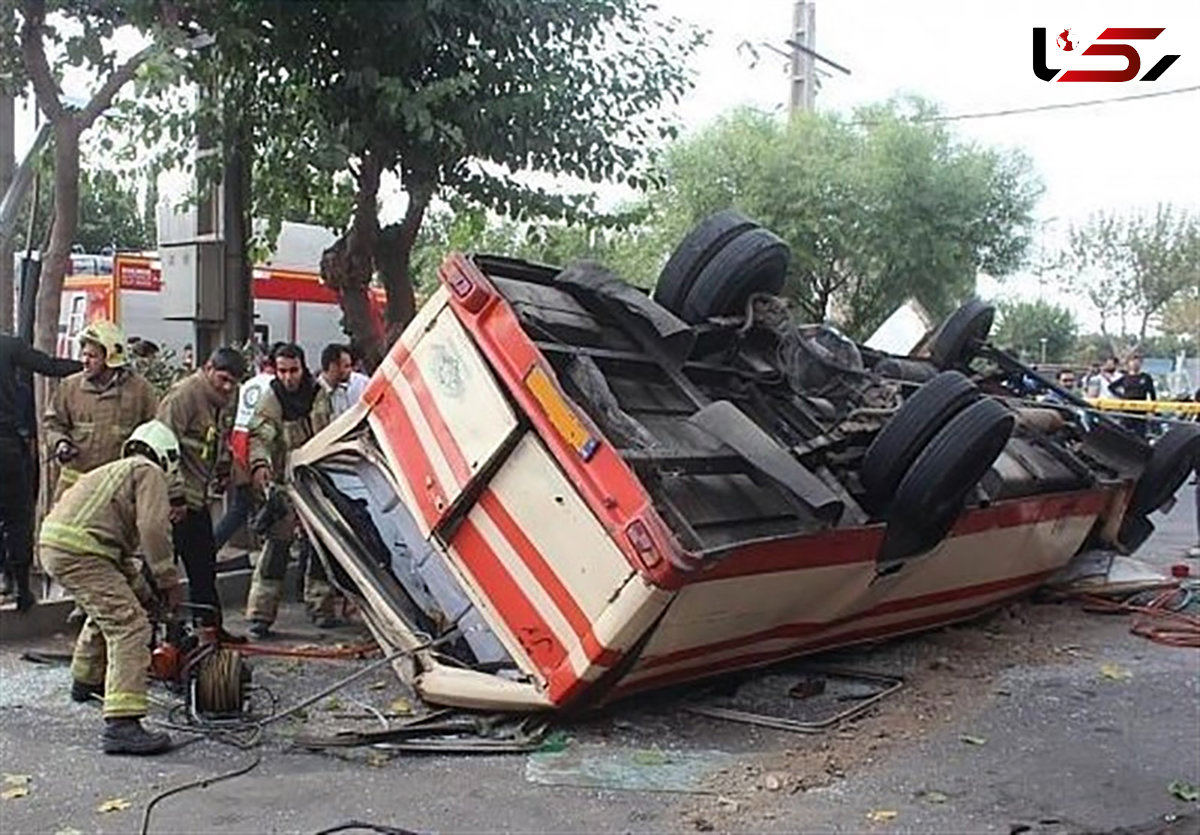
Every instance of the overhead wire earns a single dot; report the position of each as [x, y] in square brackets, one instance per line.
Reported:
[1041, 108]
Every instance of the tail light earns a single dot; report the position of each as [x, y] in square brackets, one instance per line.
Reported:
[643, 543]
[470, 293]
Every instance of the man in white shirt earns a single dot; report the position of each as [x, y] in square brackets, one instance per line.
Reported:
[1109, 374]
[344, 384]
[241, 503]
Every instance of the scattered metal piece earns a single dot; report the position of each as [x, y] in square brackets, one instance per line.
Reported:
[889, 685]
[442, 731]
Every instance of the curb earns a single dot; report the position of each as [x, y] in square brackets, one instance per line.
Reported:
[50, 617]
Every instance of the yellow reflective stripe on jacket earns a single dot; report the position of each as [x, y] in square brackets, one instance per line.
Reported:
[125, 704]
[69, 475]
[75, 540]
[104, 492]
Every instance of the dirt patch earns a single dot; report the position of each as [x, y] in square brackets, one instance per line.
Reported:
[950, 674]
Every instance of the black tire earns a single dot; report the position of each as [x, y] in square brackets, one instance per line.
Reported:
[932, 493]
[694, 252]
[1134, 531]
[906, 370]
[964, 329]
[754, 262]
[900, 441]
[1172, 459]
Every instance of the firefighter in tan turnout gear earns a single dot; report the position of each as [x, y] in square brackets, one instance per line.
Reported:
[291, 410]
[87, 544]
[93, 411]
[198, 409]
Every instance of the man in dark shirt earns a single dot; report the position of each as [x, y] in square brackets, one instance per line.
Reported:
[17, 362]
[1136, 384]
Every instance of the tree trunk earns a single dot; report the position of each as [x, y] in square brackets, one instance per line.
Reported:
[393, 255]
[347, 266]
[56, 262]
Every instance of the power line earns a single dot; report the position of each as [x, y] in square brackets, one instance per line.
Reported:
[1040, 108]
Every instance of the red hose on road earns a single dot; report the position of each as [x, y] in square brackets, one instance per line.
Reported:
[1154, 620]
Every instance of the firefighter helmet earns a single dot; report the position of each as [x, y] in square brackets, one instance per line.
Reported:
[109, 336]
[156, 437]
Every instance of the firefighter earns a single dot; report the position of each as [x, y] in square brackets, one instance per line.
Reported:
[93, 412]
[293, 409]
[196, 409]
[17, 461]
[87, 544]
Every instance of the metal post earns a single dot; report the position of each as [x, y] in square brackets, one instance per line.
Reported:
[235, 184]
[803, 69]
[8, 164]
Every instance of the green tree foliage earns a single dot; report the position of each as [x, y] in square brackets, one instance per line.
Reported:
[877, 208]
[109, 215]
[50, 37]
[633, 249]
[468, 100]
[1181, 316]
[1132, 267]
[1022, 325]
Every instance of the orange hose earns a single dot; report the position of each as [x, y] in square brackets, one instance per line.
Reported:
[1153, 620]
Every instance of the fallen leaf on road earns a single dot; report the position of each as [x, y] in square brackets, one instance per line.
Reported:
[650, 756]
[377, 685]
[16, 779]
[14, 792]
[1115, 672]
[973, 740]
[936, 797]
[116, 804]
[882, 815]
[1184, 791]
[70, 830]
[378, 759]
[401, 706]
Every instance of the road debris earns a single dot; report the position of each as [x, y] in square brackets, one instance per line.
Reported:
[1115, 672]
[1184, 791]
[811, 708]
[599, 766]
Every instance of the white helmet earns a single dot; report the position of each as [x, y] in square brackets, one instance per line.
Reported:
[157, 438]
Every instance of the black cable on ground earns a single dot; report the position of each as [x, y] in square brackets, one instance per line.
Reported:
[228, 733]
[201, 783]
[370, 827]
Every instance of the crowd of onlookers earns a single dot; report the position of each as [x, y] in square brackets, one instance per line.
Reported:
[1108, 381]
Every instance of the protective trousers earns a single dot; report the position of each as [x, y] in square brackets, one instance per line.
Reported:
[266, 588]
[114, 645]
[193, 537]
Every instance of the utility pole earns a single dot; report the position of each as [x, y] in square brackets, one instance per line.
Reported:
[8, 164]
[804, 69]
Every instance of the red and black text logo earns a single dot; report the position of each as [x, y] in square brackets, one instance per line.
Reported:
[1112, 41]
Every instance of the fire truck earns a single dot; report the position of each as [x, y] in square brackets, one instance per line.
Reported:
[128, 288]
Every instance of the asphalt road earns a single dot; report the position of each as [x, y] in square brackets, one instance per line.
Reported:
[1039, 718]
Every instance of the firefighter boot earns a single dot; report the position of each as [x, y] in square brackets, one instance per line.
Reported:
[81, 691]
[125, 735]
